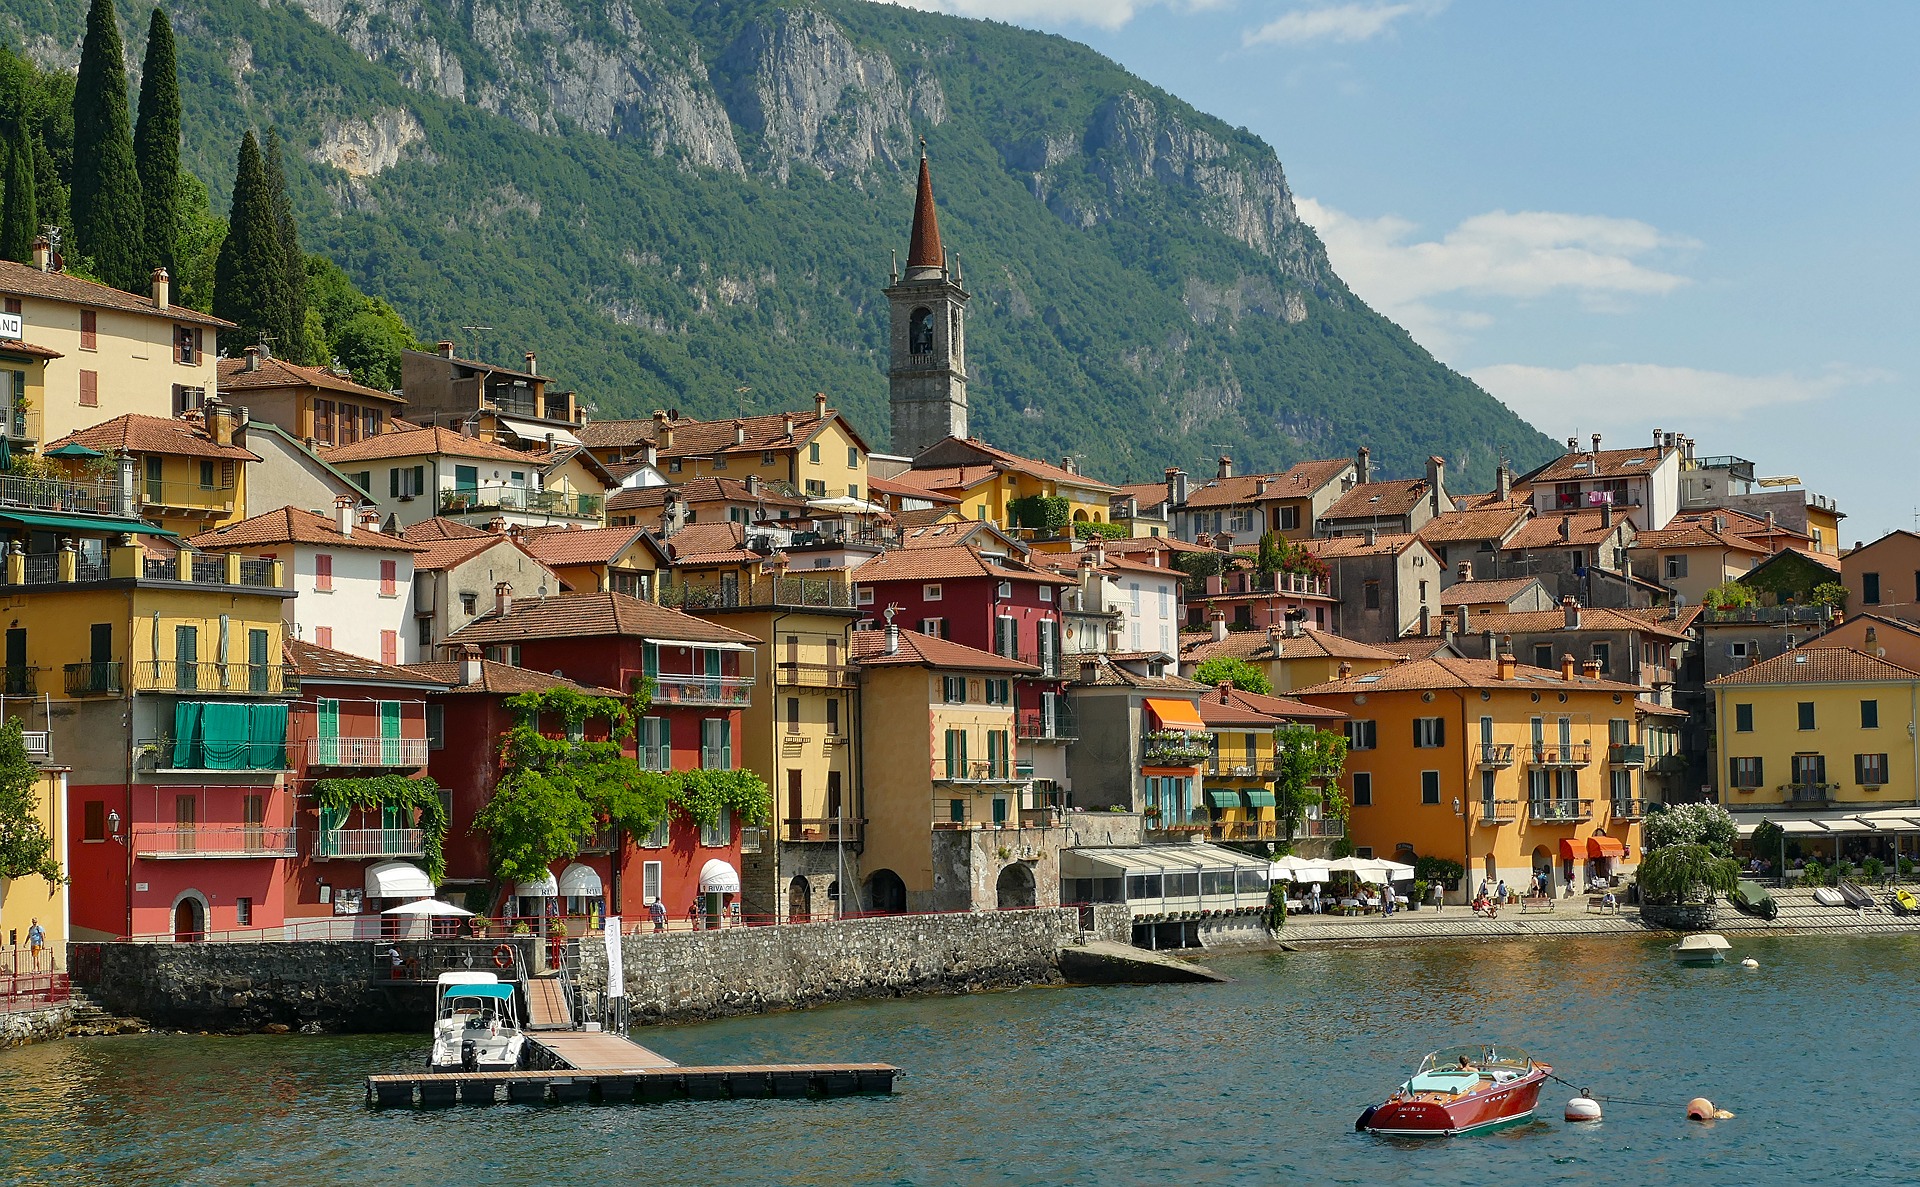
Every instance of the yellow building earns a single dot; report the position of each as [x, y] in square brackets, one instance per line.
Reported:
[317, 404]
[31, 899]
[817, 455]
[1289, 658]
[185, 474]
[83, 351]
[626, 560]
[1508, 770]
[1243, 729]
[986, 481]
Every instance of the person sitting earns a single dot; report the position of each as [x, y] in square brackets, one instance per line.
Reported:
[1467, 1065]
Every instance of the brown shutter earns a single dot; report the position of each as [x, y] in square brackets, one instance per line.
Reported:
[89, 389]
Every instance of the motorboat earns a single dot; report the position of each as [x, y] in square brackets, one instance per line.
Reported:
[1905, 903]
[476, 1026]
[1754, 899]
[1703, 948]
[1854, 896]
[1461, 1090]
[1827, 896]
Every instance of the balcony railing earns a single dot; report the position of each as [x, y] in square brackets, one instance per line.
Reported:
[203, 568]
[167, 675]
[1629, 809]
[19, 682]
[1559, 811]
[1245, 830]
[728, 691]
[367, 752]
[1299, 584]
[1498, 811]
[1808, 793]
[369, 842]
[38, 744]
[1667, 764]
[1619, 754]
[97, 679]
[48, 494]
[213, 840]
[1769, 614]
[1578, 754]
[842, 829]
[189, 496]
[978, 771]
[799, 675]
[1496, 754]
[456, 501]
[1322, 826]
[163, 754]
[820, 592]
[1174, 748]
[1037, 725]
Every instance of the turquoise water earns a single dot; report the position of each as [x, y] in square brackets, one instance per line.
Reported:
[1257, 1081]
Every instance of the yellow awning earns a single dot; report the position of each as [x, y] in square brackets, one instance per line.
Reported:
[1176, 715]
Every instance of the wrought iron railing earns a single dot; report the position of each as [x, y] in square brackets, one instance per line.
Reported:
[99, 678]
[167, 675]
[213, 840]
[369, 842]
[732, 691]
[800, 675]
[1560, 811]
[1576, 754]
[1496, 754]
[848, 829]
[1038, 725]
[1498, 811]
[367, 752]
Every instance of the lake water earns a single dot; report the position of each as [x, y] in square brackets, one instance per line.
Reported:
[1258, 1081]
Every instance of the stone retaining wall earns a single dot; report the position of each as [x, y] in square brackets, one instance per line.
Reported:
[20, 1027]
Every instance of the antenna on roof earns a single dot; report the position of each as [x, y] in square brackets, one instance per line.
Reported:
[478, 348]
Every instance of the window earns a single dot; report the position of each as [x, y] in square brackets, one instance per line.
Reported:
[656, 750]
[816, 488]
[89, 330]
[1371, 596]
[716, 744]
[937, 627]
[650, 876]
[719, 834]
[370, 422]
[389, 579]
[1870, 588]
[1806, 715]
[766, 457]
[390, 647]
[813, 453]
[1869, 715]
[863, 595]
[1619, 731]
[323, 572]
[1046, 593]
[1362, 735]
[1870, 770]
[95, 828]
[999, 692]
[853, 457]
[242, 911]
[1362, 789]
[1543, 655]
[364, 480]
[673, 467]
[1676, 567]
[323, 421]
[1287, 519]
[793, 715]
[1740, 650]
[956, 754]
[833, 715]
[436, 726]
[999, 764]
[406, 482]
[1006, 635]
[1487, 782]
[1603, 655]
[89, 389]
[469, 604]
[955, 689]
[1429, 787]
[208, 481]
[1809, 769]
[323, 636]
[930, 593]
[186, 345]
[1429, 732]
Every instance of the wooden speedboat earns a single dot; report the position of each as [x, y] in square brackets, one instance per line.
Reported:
[1754, 899]
[476, 1027]
[1461, 1090]
[1704, 948]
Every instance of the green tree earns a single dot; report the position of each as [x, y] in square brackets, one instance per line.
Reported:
[1685, 874]
[18, 206]
[249, 282]
[1237, 672]
[1270, 557]
[1829, 593]
[292, 331]
[108, 215]
[156, 145]
[201, 232]
[1729, 595]
[1691, 824]
[1310, 762]
[26, 847]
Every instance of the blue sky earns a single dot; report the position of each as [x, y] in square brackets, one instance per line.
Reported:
[1615, 216]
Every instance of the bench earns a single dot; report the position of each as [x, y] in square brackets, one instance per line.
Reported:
[1536, 902]
[1598, 903]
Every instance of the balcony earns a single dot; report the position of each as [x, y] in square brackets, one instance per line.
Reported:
[99, 679]
[1174, 748]
[19, 682]
[367, 752]
[1812, 615]
[163, 754]
[1496, 754]
[460, 501]
[161, 842]
[1620, 754]
[801, 592]
[831, 829]
[1037, 725]
[368, 842]
[1808, 793]
[192, 498]
[1245, 830]
[1560, 811]
[1577, 754]
[1322, 826]
[1629, 809]
[978, 771]
[20, 424]
[1283, 584]
[733, 692]
[798, 675]
[38, 744]
[1497, 811]
[1048, 664]
[208, 677]
[1667, 764]
[48, 494]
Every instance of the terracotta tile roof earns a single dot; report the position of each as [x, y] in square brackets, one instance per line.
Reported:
[1696, 536]
[290, 525]
[1592, 618]
[1446, 671]
[1391, 499]
[1167, 544]
[1147, 494]
[1335, 547]
[24, 280]
[1298, 482]
[1473, 593]
[1412, 647]
[572, 615]
[1738, 523]
[949, 532]
[1818, 665]
[134, 433]
[581, 546]
[1235, 707]
[1493, 523]
[1822, 561]
[869, 649]
[1490, 501]
[476, 365]
[923, 518]
[891, 486]
[1583, 527]
[18, 346]
[712, 438]
[997, 460]
[1258, 645]
[947, 563]
[322, 664]
[1110, 674]
[1608, 463]
[448, 543]
[505, 680]
[272, 372]
[711, 544]
[427, 442]
[697, 491]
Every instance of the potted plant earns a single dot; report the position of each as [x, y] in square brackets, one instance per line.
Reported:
[521, 929]
[479, 925]
[1419, 894]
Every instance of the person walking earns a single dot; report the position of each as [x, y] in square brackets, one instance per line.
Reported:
[36, 940]
[657, 911]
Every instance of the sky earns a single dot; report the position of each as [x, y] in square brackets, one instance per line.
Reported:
[1615, 216]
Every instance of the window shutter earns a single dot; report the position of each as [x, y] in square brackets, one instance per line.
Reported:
[89, 389]
[1860, 768]
[419, 480]
[393, 483]
[323, 571]
[1439, 731]
[952, 753]
[389, 577]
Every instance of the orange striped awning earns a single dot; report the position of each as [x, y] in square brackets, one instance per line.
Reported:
[1176, 715]
[1606, 847]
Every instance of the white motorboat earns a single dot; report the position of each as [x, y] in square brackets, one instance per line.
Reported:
[1704, 948]
[476, 1026]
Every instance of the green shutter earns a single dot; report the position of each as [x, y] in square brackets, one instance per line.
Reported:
[952, 755]
[328, 717]
[390, 733]
[328, 842]
[650, 660]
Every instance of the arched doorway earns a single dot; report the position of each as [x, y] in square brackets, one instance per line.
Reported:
[1015, 887]
[1492, 875]
[886, 893]
[1543, 865]
[189, 920]
[799, 901]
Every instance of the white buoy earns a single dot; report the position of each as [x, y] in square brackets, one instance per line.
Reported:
[1749, 963]
[1583, 1108]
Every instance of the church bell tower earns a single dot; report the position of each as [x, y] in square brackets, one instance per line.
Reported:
[927, 370]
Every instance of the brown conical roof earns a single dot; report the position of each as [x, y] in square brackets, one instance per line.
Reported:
[924, 251]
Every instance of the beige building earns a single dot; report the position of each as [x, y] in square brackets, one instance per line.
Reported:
[314, 404]
[817, 455]
[458, 577]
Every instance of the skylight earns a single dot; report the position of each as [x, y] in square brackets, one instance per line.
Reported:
[1369, 678]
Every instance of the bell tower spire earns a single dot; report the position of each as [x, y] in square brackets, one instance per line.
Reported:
[927, 372]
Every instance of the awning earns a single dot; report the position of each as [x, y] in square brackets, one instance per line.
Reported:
[696, 643]
[1257, 798]
[547, 887]
[476, 989]
[83, 523]
[398, 879]
[1571, 849]
[1846, 824]
[1223, 799]
[717, 877]
[579, 881]
[526, 430]
[1606, 847]
[1176, 715]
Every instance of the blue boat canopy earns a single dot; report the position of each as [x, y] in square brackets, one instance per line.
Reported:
[480, 989]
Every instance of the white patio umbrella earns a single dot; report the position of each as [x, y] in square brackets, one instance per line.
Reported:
[427, 906]
[1298, 870]
[847, 505]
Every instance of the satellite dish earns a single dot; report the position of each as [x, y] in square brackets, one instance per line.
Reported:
[1680, 601]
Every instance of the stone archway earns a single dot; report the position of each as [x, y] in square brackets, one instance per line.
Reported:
[799, 901]
[189, 918]
[886, 893]
[1015, 887]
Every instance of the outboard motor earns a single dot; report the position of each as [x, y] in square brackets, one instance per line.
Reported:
[1360, 1126]
[469, 1055]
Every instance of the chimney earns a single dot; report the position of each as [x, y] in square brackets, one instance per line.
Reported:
[369, 519]
[1590, 669]
[497, 525]
[1226, 466]
[1656, 438]
[533, 363]
[1260, 485]
[1225, 689]
[1606, 514]
[1719, 523]
[1573, 445]
[739, 432]
[1089, 671]
[1373, 537]
[1217, 618]
[1596, 443]
[753, 485]
[1872, 646]
[1566, 667]
[1098, 548]
[446, 349]
[502, 598]
[1177, 487]
[1566, 527]
[470, 671]
[786, 424]
[253, 359]
[1274, 635]
[1067, 464]
[1465, 569]
[1505, 664]
[219, 420]
[1502, 482]
[1446, 630]
[1437, 484]
[1363, 464]
[1571, 609]
[1295, 626]
[42, 254]
[662, 429]
[1462, 620]
[893, 639]
[819, 405]
[1346, 669]
[1487, 648]
[162, 290]
[343, 516]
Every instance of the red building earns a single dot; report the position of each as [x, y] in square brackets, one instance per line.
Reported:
[700, 690]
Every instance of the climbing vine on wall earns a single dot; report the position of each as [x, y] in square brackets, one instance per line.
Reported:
[420, 795]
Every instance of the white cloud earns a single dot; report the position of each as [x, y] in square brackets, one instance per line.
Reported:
[1628, 397]
[1104, 14]
[1336, 22]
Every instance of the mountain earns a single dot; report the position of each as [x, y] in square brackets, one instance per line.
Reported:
[693, 204]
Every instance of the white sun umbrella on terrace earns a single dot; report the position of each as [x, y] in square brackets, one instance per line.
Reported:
[1298, 870]
[846, 505]
[1394, 871]
[428, 906]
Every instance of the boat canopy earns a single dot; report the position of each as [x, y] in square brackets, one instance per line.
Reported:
[504, 992]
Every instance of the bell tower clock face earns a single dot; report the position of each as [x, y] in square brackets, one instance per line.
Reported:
[920, 331]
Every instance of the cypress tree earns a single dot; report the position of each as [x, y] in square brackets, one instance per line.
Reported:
[19, 207]
[293, 331]
[108, 219]
[156, 145]
[249, 278]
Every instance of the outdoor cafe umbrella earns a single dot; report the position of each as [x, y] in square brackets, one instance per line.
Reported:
[427, 906]
[1298, 870]
[74, 449]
